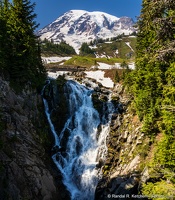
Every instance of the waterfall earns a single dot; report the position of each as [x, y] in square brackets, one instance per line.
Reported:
[85, 144]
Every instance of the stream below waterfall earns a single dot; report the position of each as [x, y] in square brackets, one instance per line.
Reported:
[86, 132]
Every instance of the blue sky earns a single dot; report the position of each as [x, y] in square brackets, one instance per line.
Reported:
[48, 10]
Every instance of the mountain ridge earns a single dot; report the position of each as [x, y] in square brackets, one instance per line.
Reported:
[78, 26]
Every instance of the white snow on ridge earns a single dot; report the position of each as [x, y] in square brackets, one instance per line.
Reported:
[76, 14]
[96, 16]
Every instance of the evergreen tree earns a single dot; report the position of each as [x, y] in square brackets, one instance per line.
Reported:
[66, 49]
[85, 50]
[117, 77]
[22, 59]
[4, 14]
[151, 64]
[153, 85]
[62, 49]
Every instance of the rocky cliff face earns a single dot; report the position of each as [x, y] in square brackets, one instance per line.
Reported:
[25, 167]
[123, 171]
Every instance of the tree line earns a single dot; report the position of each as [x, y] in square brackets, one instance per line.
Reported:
[20, 59]
[61, 49]
[153, 87]
[64, 49]
[118, 37]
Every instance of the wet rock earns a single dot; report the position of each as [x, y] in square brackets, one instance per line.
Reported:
[57, 149]
[97, 89]
[103, 98]
[100, 163]
[118, 88]
[114, 116]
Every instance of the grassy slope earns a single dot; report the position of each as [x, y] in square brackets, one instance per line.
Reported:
[120, 44]
[108, 49]
[85, 61]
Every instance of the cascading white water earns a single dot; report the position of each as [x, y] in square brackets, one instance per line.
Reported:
[84, 147]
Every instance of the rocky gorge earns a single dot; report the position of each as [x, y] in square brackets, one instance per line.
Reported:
[27, 170]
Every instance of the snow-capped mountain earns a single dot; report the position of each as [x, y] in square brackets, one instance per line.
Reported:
[78, 26]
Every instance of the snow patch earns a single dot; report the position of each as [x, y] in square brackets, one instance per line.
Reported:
[104, 66]
[131, 66]
[54, 59]
[132, 36]
[99, 77]
[55, 75]
[128, 44]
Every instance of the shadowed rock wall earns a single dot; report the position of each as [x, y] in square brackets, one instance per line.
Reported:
[26, 169]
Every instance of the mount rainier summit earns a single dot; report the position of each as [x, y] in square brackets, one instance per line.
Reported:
[78, 26]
